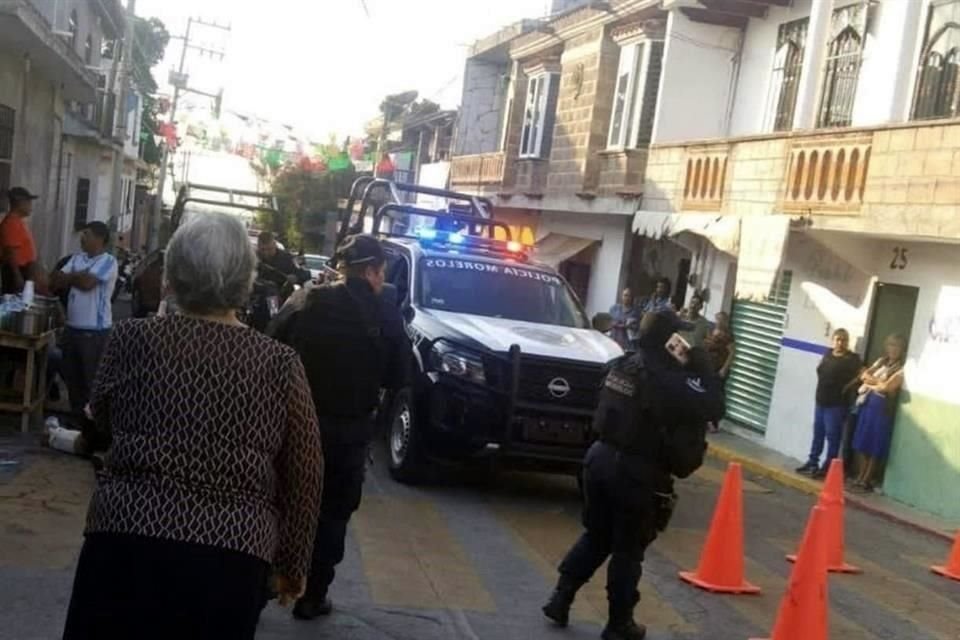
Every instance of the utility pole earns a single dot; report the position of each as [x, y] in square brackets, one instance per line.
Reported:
[119, 155]
[179, 81]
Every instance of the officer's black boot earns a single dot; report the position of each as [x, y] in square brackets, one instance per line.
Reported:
[558, 607]
[621, 625]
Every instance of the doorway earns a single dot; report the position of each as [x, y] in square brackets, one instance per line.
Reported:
[894, 309]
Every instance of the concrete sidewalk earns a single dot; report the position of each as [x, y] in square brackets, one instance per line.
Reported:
[757, 459]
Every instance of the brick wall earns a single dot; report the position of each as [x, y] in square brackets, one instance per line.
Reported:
[621, 172]
[572, 134]
[576, 161]
[531, 176]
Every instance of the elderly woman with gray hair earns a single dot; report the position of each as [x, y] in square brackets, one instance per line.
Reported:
[213, 481]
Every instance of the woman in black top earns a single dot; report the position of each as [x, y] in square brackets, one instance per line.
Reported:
[835, 375]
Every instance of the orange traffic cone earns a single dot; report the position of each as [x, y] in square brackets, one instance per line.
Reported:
[721, 562]
[831, 499]
[952, 568]
[803, 610]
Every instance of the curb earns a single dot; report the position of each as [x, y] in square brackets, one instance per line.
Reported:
[811, 487]
[781, 476]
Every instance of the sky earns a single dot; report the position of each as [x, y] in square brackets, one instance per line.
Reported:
[323, 66]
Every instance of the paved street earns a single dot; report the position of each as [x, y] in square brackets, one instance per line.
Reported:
[473, 559]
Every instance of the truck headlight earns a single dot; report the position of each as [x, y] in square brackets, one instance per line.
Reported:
[458, 363]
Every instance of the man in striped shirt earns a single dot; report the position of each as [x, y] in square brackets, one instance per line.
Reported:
[89, 278]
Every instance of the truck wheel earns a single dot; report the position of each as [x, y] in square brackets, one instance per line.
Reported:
[403, 440]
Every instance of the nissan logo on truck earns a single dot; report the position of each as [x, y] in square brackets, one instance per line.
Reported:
[558, 388]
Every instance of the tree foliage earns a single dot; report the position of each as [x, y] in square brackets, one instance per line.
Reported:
[150, 42]
[306, 198]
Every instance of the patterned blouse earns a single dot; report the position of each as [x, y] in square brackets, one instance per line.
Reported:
[215, 440]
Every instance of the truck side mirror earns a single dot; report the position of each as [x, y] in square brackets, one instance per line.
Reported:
[602, 322]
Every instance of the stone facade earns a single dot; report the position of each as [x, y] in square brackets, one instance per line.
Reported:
[576, 171]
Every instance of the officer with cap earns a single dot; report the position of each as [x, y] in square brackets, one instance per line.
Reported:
[651, 421]
[352, 343]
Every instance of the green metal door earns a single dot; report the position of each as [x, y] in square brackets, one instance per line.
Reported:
[758, 329]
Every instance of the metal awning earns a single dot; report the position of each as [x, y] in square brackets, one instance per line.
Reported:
[723, 231]
[763, 240]
[554, 248]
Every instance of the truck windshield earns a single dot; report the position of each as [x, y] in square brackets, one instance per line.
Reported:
[514, 292]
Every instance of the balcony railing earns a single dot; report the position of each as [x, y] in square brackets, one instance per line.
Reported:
[480, 169]
[706, 175]
[827, 173]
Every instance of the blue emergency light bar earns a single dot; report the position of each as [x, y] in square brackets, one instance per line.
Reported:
[429, 236]
[452, 231]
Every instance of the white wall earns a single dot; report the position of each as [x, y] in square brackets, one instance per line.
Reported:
[890, 63]
[698, 67]
[101, 201]
[613, 233]
[755, 102]
[887, 76]
[833, 278]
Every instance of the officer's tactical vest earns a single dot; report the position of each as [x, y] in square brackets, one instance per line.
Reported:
[634, 416]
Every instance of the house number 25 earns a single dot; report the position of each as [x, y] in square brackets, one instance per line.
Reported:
[900, 260]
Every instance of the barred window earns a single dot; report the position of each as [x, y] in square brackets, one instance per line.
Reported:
[82, 205]
[791, 45]
[938, 89]
[842, 72]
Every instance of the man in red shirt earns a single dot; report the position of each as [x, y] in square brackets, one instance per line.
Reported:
[18, 253]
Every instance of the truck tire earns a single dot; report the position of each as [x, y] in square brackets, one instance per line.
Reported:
[404, 447]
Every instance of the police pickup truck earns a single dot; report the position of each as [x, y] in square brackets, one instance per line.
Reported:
[507, 366]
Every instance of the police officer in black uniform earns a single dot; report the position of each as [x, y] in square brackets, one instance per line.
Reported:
[651, 420]
[276, 265]
[352, 342]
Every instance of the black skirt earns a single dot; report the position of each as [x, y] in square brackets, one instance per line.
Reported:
[138, 588]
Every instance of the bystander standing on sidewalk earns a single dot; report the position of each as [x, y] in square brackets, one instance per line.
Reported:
[721, 348]
[626, 320]
[659, 300]
[18, 252]
[215, 470]
[837, 374]
[878, 397]
[88, 279]
[697, 328]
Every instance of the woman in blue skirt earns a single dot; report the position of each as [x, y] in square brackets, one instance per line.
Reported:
[878, 404]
